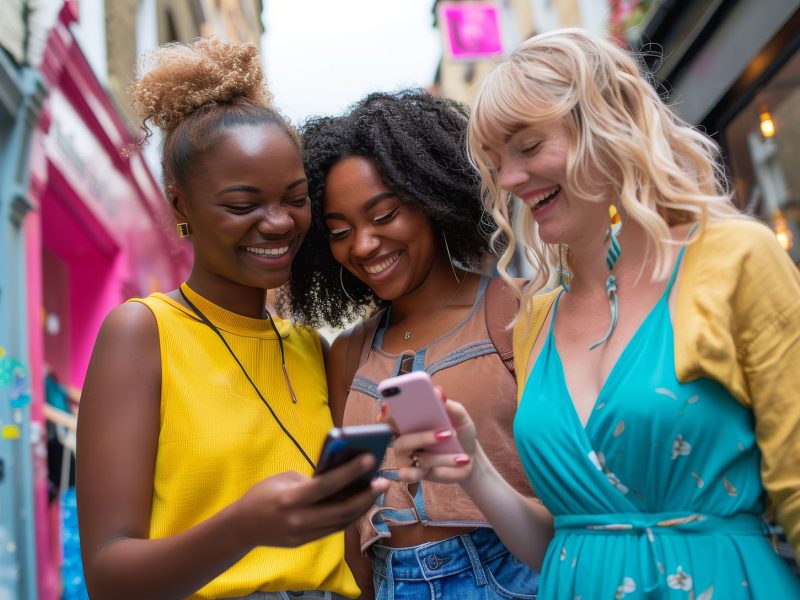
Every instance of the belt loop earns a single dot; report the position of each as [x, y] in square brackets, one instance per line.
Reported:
[474, 559]
[389, 575]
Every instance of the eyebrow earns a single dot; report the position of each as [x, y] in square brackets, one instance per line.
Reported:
[367, 205]
[238, 187]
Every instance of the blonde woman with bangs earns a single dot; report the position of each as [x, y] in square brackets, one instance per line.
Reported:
[658, 412]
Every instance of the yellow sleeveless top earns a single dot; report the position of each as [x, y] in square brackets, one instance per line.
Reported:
[217, 439]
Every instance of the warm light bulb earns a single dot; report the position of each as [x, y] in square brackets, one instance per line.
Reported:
[784, 239]
[782, 231]
[767, 124]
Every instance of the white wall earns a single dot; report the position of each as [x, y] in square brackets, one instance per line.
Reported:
[90, 31]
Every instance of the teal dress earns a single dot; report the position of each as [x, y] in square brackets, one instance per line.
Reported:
[660, 495]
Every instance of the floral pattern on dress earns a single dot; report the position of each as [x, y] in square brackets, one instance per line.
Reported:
[599, 461]
[680, 447]
[680, 580]
[627, 586]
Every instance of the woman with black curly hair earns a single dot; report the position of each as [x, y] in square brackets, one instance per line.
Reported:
[396, 225]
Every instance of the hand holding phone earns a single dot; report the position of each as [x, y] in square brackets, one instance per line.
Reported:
[345, 443]
[416, 406]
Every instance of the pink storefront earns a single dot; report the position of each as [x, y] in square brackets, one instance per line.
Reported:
[100, 233]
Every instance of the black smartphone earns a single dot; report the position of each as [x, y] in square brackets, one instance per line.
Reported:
[345, 443]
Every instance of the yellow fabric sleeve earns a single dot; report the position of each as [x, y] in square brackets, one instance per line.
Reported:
[526, 330]
[738, 321]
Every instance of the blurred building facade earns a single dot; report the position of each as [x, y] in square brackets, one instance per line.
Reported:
[83, 226]
[21, 97]
[518, 20]
[733, 68]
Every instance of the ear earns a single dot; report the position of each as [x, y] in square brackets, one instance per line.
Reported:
[177, 201]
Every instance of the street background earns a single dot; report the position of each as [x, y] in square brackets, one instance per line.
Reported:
[83, 226]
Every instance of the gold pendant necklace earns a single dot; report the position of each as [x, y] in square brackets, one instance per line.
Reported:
[408, 332]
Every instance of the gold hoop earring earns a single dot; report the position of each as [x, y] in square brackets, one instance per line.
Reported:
[449, 256]
[183, 230]
[344, 289]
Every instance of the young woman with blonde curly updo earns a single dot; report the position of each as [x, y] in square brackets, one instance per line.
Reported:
[202, 414]
[658, 406]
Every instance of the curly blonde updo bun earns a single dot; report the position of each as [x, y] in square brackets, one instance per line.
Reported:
[195, 93]
[180, 78]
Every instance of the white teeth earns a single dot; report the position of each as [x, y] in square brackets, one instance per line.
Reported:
[382, 266]
[545, 195]
[268, 251]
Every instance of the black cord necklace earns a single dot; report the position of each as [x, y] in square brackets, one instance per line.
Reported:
[214, 328]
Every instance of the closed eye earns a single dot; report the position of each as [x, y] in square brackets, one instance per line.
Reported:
[531, 149]
[299, 201]
[239, 209]
[386, 217]
[339, 233]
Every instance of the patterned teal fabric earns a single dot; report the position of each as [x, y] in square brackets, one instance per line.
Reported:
[659, 496]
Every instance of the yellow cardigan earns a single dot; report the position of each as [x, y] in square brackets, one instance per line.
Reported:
[737, 321]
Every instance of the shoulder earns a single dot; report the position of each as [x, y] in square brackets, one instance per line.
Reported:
[351, 341]
[744, 247]
[732, 240]
[129, 330]
[534, 311]
[502, 300]
[127, 351]
[134, 320]
[307, 340]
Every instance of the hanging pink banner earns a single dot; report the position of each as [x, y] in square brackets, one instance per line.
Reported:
[472, 29]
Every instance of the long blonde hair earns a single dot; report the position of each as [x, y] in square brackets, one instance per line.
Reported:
[662, 170]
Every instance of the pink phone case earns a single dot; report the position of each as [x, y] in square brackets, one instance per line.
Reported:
[415, 406]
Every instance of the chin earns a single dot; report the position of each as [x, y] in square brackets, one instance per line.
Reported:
[274, 280]
[548, 236]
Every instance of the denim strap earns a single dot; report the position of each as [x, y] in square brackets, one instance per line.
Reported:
[474, 559]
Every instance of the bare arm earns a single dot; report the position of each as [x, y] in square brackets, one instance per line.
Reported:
[339, 380]
[339, 376]
[523, 524]
[117, 443]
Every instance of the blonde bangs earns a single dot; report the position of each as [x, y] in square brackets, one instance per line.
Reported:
[662, 170]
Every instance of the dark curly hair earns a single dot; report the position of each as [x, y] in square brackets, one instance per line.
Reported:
[418, 144]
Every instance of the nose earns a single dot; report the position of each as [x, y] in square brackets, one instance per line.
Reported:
[365, 242]
[275, 221]
[512, 175]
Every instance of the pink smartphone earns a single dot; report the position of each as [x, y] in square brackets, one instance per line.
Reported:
[415, 406]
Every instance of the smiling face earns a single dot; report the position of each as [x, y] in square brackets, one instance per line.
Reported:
[385, 243]
[247, 206]
[532, 165]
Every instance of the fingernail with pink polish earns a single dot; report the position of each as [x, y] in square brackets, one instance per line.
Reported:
[461, 459]
[443, 434]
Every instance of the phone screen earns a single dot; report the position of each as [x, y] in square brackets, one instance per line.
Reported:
[343, 444]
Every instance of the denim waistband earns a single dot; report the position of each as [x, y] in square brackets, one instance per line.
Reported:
[438, 559]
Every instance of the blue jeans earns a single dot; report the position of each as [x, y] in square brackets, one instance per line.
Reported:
[472, 566]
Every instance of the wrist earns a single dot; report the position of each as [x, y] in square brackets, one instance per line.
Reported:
[238, 519]
[477, 473]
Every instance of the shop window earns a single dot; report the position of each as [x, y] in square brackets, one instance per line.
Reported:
[763, 143]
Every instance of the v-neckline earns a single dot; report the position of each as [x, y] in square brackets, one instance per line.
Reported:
[614, 368]
[664, 297]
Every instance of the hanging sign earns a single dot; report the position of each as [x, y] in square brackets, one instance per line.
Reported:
[471, 29]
